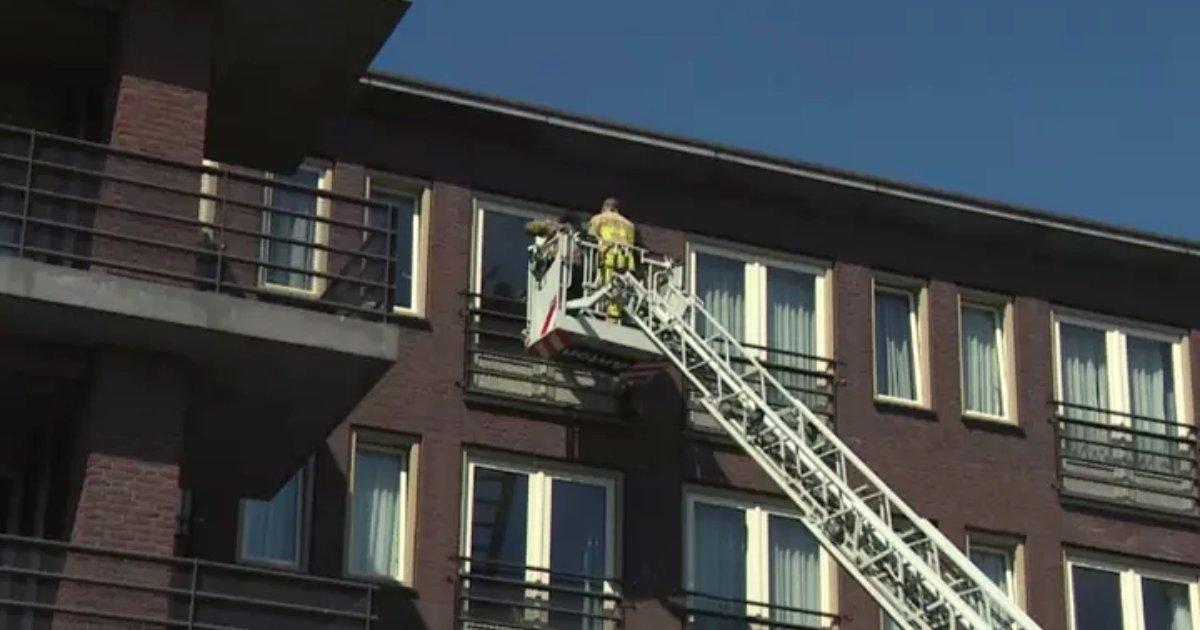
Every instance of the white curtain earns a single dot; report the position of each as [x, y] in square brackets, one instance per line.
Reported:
[994, 566]
[374, 514]
[721, 285]
[982, 390]
[269, 528]
[895, 369]
[795, 572]
[1151, 398]
[719, 563]
[289, 226]
[792, 331]
[1165, 605]
[1084, 381]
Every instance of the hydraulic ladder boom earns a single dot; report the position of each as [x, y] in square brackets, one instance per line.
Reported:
[915, 574]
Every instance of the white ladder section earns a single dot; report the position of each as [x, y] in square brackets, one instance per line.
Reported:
[915, 574]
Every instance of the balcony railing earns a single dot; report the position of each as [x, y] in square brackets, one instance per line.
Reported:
[1120, 458]
[92, 206]
[500, 370]
[48, 584]
[810, 379]
[493, 595]
[711, 612]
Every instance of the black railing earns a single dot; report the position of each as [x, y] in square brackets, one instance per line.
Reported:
[712, 612]
[45, 584]
[85, 205]
[1117, 457]
[493, 594]
[499, 369]
[808, 378]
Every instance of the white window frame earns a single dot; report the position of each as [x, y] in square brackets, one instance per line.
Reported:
[484, 204]
[1130, 573]
[303, 512]
[1013, 549]
[1115, 333]
[541, 476]
[756, 264]
[408, 450]
[758, 511]
[1002, 310]
[916, 291]
[320, 233]
[422, 194]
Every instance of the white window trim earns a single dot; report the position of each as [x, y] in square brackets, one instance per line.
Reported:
[320, 234]
[1011, 547]
[423, 195]
[408, 449]
[757, 262]
[918, 315]
[541, 476]
[1002, 307]
[302, 527]
[758, 510]
[207, 212]
[1115, 331]
[1129, 573]
[494, 203]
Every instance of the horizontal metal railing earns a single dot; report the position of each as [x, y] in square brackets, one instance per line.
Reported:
[86, 205]
[492, 594]
[713, 612]
[45, 583]
[1127, 458]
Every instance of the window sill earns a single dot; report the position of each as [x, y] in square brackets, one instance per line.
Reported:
[274, 565]
[993, 423]
[382, 582]
[904, 407]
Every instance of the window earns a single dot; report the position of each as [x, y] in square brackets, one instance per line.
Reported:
[501, 267]
[379, 531]
[1001, 559]
[293, 230]
[401, 208]
[741, 554]
[272, 531]
[984, 354]
[536, 525]
[898, 343]
[1109, 595]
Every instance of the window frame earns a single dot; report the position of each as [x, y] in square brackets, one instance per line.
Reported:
[422, 194]
[916, 291]
[758, 511]
[303, 526]
[1130, 572]
[1013, 548]
[320, 238]
[756, 265]
[1002, 310]
[389, 444]
[1116, 333]
[484, 203]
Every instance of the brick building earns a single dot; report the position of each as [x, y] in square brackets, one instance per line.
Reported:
[260, 359]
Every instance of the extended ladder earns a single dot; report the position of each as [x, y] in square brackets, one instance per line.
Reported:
[915, 574]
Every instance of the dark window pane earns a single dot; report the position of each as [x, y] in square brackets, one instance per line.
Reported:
[578, 550]
[1097, 599]
[719, 566]
[1165, 605]
[292, 226]
[403, 208]
[499, 528]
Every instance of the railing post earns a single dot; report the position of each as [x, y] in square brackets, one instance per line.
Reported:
[192, 594]
[28, 194]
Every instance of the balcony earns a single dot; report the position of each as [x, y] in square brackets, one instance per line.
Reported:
[710, 612]
[494, 595]
[46, 584]
[1127, 461]
[810, 379]
[500, 371]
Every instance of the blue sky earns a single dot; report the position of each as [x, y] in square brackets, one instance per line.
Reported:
[1089, 108]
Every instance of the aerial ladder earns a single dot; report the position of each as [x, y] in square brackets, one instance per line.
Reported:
[917, 576]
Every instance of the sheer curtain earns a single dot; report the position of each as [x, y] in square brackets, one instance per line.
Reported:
[996, 566]
[795, 572]
[982, 389]
[1151, 397]
[269, 528]
[1165, 605]
[290, 226]
[719, 564]
[1084, 382]
[792, 330]
[375, 514]
[721, 285]
[895, 371]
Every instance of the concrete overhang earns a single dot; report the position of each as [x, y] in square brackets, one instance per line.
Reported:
[268, 382]
[281, 68]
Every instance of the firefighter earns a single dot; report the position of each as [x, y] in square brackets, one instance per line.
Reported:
[616, 236]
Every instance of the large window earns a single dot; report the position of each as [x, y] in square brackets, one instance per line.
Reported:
[552, 532]
[501, 270]
[293, 230]
[899, 371]
[985, 356]
[272, 531]
[1111, 595]
[401, 209]
[743, 554]
[380, 512]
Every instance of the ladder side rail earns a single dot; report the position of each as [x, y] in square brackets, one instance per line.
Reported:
[942, 546]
